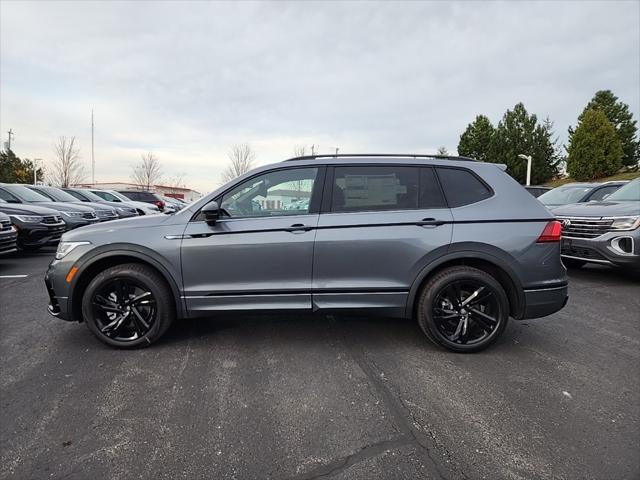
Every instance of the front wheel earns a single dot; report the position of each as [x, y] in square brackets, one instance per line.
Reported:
[463, 309]
[128, 306]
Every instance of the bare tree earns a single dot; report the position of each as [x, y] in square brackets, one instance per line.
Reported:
[443, 151]
[299, 150]
[147, 172]
[177, 181]
[66, 168]
[241, 158]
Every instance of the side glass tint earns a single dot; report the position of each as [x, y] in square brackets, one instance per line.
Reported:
[430, 191]
[283, 192]
[374, 188]
[461, 187]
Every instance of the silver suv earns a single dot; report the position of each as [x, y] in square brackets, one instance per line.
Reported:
[456, 244]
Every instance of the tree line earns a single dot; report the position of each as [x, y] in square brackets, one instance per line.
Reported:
[603, 141]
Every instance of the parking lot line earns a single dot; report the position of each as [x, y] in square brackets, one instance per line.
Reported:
[13, 276]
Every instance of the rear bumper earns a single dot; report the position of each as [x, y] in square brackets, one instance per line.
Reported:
[544, 301]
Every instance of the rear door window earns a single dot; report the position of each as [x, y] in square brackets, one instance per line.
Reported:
[430, 191]
[461, 187]
[374, 188]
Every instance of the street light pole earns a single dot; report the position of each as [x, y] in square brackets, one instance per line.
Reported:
[35, 170]
[528, 158]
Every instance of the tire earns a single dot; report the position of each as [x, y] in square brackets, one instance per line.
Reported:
[128, 306]
[573, 263]
[439, 309]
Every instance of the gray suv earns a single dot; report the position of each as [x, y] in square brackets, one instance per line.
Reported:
[456, 244]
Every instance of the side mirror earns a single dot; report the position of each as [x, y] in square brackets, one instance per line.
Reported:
[211, 213]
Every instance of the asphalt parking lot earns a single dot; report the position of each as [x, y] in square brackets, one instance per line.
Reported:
[315, 397]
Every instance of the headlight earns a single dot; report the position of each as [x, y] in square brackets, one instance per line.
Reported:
[64, 248]
[29, 218]
[625, 223]
[72, 214]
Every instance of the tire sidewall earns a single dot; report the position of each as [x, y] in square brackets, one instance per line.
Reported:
[435, 286]
[143, 276]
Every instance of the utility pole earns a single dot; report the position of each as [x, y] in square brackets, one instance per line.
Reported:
[313, 149]
[337, 148]
[11, 134]
[93, 160]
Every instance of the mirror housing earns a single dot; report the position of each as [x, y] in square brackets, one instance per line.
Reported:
[211, 213]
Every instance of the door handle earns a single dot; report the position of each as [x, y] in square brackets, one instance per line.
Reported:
[299, 227]
[430, 222]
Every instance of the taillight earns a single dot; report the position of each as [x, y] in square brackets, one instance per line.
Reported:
[551, 233]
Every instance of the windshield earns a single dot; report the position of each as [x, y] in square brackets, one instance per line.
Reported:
[629, 193]
[564, 195]
[119, 196]
[25, 194]
[91, 196]
[58, 195]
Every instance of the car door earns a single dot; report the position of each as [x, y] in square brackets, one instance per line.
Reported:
[259, 254]
[379, 226]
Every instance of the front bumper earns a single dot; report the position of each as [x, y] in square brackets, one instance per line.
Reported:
[8, 240]
[613, 248]
[36, 235]
[57, 304]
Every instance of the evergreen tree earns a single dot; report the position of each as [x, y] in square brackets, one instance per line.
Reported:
[520, 133]
[475, 142]
[15, 170]
[594, 150]
[622, 119]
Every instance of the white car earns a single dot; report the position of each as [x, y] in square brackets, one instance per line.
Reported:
[143, 208]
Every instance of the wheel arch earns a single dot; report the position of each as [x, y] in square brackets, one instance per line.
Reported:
[483, 259]
[99, 261]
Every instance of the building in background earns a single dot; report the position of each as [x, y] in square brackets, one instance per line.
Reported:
[185, 194]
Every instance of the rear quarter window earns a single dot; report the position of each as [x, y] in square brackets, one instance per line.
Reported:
[462, 187]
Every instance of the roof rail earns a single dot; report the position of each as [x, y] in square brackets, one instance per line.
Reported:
[381, 155]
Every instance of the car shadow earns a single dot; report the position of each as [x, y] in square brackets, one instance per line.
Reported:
[599, 273]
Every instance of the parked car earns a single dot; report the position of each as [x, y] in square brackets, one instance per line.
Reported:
[123, 210]
[36, 226]
[604, 232]
[579, 193]
[537, 190]
[143, 208]
[8, 235]
[144, 196]
[455, 244]
[103, 212]
[73, 214]
[172, 202]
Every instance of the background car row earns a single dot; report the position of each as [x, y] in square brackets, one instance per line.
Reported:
[33, 216]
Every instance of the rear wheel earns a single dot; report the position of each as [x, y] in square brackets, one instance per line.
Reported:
[463, 309]
[573, 263]
[128, 306]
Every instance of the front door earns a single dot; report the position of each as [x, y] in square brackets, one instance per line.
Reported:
[259, 254]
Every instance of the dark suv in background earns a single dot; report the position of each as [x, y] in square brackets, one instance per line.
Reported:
[144, 196]
[36, 226]
[456, 244]
[73, 214]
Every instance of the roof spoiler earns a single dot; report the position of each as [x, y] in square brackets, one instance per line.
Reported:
[501, 166]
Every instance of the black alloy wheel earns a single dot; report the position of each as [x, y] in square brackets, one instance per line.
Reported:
[128, 305]
[463, 309]
[124, 310]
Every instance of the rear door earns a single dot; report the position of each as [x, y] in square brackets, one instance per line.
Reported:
[380, 224]
[259, 255]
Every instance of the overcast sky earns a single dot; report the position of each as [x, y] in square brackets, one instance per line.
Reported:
[187, 80]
